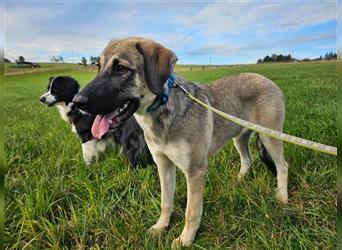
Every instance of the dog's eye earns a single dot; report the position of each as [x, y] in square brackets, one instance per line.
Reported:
[121, 69]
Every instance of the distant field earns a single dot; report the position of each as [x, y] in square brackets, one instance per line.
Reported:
[10, 68]
[54, 201]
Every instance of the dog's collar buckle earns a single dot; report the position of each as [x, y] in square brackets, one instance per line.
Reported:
[161, 100]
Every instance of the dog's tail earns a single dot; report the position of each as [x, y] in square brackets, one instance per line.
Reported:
[265, 156]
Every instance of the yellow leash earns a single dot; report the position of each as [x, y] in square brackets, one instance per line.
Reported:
[260, 129]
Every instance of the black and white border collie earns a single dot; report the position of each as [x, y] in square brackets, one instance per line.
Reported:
[60, 92]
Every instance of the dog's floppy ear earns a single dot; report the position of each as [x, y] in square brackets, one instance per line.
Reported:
[50, 81]
[158, 64]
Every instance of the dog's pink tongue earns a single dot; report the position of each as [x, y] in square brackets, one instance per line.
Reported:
[100, 126]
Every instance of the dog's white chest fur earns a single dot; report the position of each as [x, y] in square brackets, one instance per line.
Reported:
[64, 110]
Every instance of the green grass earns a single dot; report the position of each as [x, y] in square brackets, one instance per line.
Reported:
[54, 201]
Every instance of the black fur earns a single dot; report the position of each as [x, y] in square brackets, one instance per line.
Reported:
[64, 88]
[265, 156]
[129, 135]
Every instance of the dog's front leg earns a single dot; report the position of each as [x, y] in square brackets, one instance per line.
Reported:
[89, 150]
[193, 213]
[167, 176]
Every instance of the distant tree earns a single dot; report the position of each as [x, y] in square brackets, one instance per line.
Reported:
[267, 59]
[20, 59]
[7, 60]
[94, 60]
[274, 57]
[288, 58]
[54, 59]
[84, 61]
[61, 59]
[280, 58]
[327, 56]
[330, 56]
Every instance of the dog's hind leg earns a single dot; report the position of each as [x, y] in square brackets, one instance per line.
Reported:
[167, 176]
[241, 144]
[276, 151]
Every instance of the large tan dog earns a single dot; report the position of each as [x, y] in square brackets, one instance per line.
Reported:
[180, 133]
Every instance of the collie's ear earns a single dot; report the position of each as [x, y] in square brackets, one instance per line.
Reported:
[158, 64]
[74, 81]
[51, 78]
[72, 85]
[50, 81]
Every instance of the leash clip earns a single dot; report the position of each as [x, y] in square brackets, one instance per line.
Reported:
[175, 84]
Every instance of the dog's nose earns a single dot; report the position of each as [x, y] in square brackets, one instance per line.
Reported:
[42, 99]
[80, 101]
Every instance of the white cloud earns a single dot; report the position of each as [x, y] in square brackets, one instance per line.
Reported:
[229, 49]
[44, 47]
[21, 20]
[241, 17]
[29, 34]
[35, 33]
[229, 28]
[173, 41]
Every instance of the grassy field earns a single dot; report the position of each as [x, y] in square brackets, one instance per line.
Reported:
[11, 69]
[54, 201]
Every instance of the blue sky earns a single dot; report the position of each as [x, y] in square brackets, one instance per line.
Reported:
[228, 32]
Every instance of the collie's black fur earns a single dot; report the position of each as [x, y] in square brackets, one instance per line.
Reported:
[61, 91]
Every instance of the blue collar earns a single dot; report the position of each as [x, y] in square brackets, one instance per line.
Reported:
[161, 100]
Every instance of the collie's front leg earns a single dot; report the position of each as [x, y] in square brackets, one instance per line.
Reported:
[89, 151]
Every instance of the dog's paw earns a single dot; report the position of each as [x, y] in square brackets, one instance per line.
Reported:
[243, 172]
[178, 243]
[240, 176]
[282, 197]
[88, 160]
[101, 146]
[155, 230]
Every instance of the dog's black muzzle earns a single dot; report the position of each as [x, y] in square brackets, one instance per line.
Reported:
[98, 97]
[101, 97]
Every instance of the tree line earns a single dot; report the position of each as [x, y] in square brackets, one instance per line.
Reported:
[93, 60]
[288, 58]
[20, 59]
